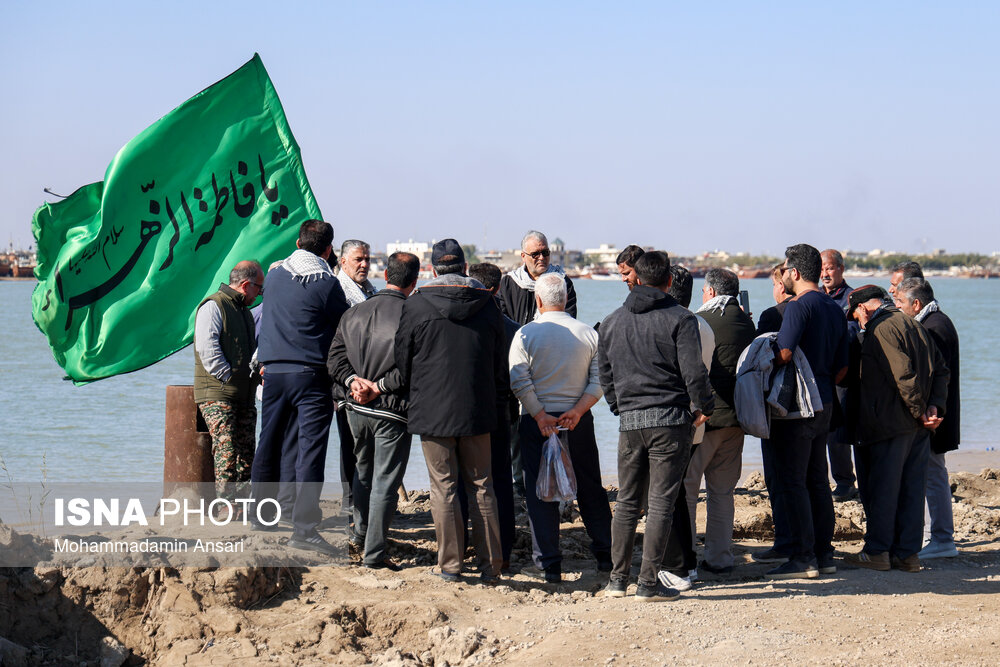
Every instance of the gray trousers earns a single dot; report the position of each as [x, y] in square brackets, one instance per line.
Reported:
[655, 458]
[445, 457]
[719, 458]
[381, 451]
[939, 525]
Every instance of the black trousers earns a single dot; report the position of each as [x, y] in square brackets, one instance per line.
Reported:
[893, 477]
[680, 557]
[801, 483]
[591, 498]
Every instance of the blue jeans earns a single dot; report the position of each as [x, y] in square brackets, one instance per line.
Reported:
[656, 458]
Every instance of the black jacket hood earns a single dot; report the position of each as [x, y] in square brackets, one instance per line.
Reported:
[643, 299]
[456, 297]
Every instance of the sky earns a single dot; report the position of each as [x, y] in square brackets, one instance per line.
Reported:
[686, 126]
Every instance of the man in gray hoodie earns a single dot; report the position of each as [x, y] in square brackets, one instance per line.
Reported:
[650, 367]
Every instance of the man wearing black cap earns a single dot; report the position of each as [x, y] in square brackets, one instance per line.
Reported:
[904, 386]
[451, 351]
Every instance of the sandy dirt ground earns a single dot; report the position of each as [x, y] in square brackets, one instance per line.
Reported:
[347, 615]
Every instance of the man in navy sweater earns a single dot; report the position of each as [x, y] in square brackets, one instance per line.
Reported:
[302, 309]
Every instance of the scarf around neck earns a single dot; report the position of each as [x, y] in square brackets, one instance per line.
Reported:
[716, 303]
[306, 267]
[355, 292]
[932, 307]
[524, 279]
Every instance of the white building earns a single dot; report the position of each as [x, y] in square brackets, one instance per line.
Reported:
[421, 250]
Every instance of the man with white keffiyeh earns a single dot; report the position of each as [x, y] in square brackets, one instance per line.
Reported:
[355, 262]
[303, 305]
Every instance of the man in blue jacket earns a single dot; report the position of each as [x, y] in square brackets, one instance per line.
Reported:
[302, 309]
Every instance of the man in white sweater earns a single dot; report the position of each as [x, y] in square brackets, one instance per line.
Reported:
[553, 373]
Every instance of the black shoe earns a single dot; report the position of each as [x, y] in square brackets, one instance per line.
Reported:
[384, 564]
[656, 593]
[717, 571]
[844, 492]
[615, 589]
[793, 569]
[488, 578]
[553, 575]
[258, 527]
[769, 556]
[827, 564]
[450, 577]
[314, 542]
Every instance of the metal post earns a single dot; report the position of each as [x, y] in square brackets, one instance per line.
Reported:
[187, 453]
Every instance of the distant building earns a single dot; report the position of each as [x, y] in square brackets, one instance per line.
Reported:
[605, 255]
[421, 250]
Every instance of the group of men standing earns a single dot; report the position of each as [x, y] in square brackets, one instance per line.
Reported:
[442, 361]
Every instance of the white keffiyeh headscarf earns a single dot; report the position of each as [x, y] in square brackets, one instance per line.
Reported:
[716, 303]
[306, 267]
[355, 292]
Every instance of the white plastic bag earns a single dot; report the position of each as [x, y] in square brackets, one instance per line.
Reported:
[556, 479]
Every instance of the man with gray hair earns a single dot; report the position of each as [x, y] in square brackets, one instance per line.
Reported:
[553, 373]
[719, 457]
[838, 444]
[915, 297]
[517, 299]
[355, 262]
[224, 382]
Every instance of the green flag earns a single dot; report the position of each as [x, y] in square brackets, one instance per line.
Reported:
[124, 263]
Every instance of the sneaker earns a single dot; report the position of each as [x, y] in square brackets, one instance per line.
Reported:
[259, 527]
[938, 550]
[793, 569]
[488, 578]
[551, 574]
[615, 589]
[844, 492]
[909, 564]
[879, 562]
[769, 556]
[718, 571]
[314, 542]
[450, 577]
[656, 593]
[671, 580]
[827, 564]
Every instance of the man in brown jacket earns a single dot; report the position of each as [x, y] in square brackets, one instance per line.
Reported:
[904, 386]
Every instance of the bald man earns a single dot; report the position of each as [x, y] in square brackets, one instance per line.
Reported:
[224, 382]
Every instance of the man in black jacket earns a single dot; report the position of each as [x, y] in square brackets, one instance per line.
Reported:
[451, 352]
[362, 365]
[719, 457]
[517, 288]
[915, 297]
[650, 366]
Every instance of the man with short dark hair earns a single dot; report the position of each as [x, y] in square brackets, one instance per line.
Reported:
[838, 444]
[816, 325]
[719, 457]
[517, 298]
[904, 388]
[915, 297]
[451, 352]
[362, 366]
[649, 359]
[903, 271]
[303, 307]
[224, 381]
[679, 569]
[626, 263]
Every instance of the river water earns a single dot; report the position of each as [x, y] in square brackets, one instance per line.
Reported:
[112, 430]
